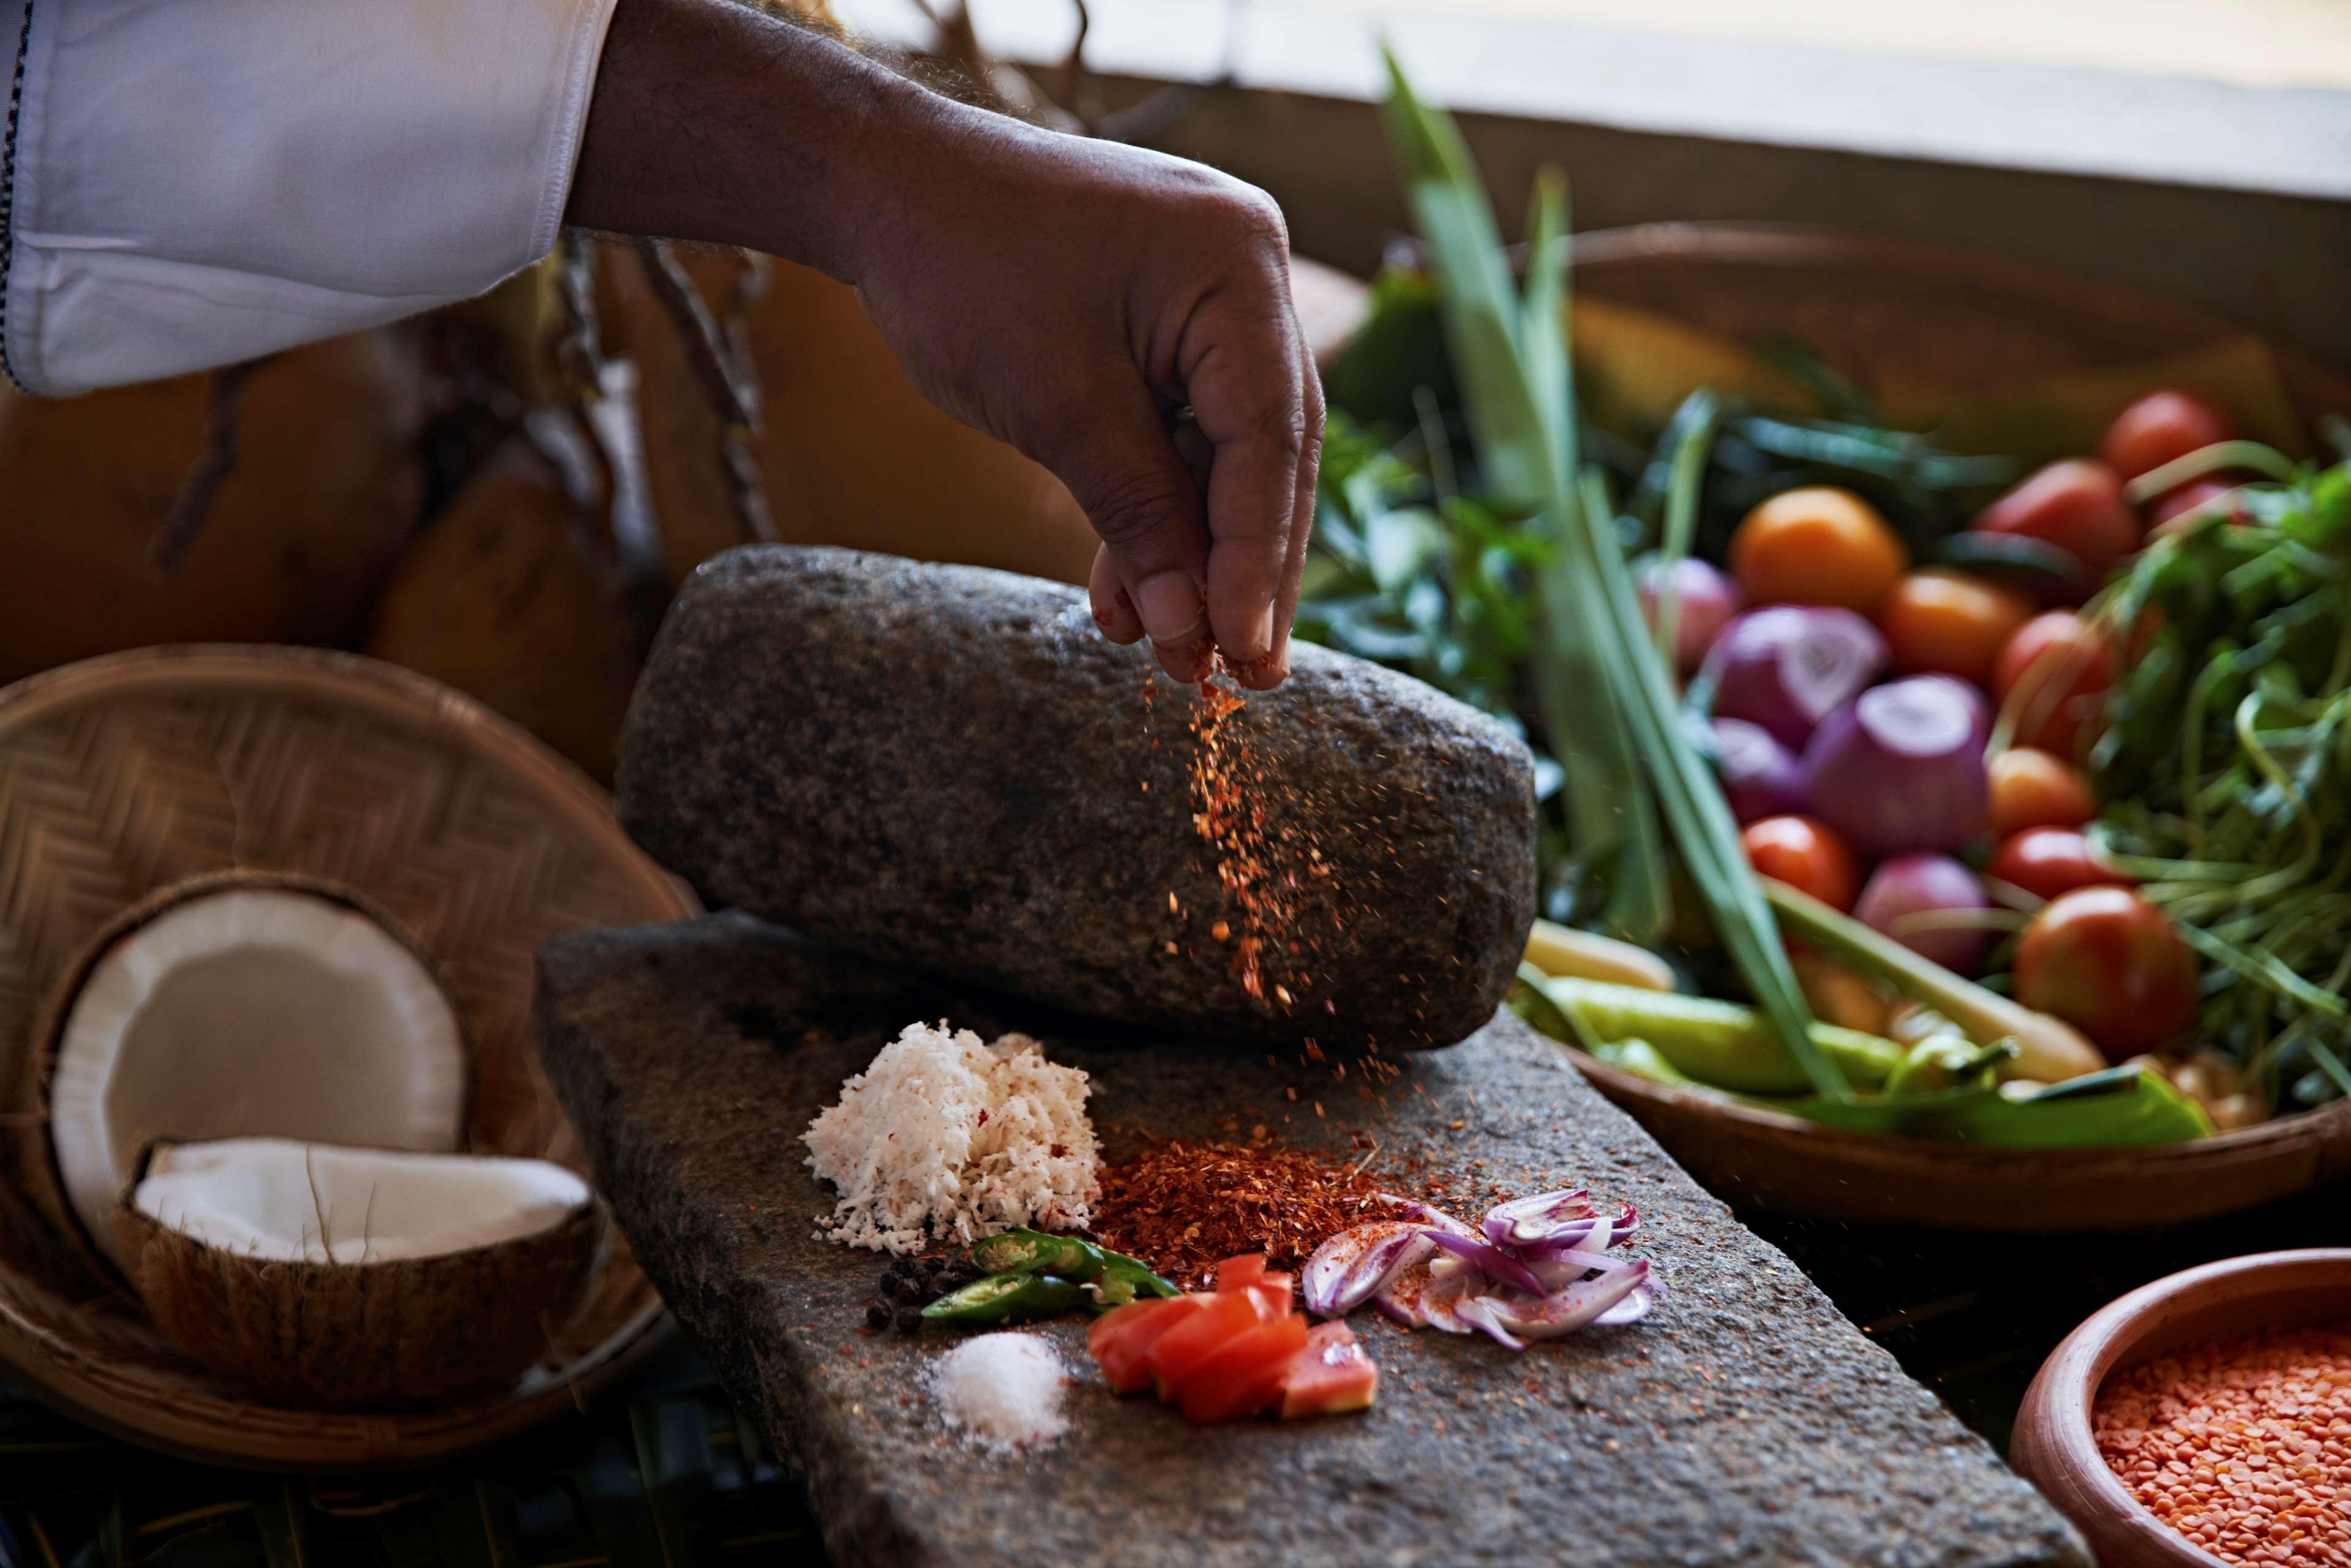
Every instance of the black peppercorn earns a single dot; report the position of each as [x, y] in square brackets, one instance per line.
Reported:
[902, 1266]
[877, 1315]
[909, 1320]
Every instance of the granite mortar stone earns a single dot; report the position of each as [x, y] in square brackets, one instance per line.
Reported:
[1744, 1422]
[950, 768]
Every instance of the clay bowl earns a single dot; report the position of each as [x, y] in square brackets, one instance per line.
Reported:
[2052, 1444]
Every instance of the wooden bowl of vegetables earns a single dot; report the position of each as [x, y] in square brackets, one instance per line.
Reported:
[1971, 697]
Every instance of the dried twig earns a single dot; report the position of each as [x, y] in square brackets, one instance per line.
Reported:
[727, 378]
[186, 519]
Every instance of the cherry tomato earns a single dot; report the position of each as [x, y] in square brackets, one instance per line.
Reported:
[2036, 788]
[2075, 505]
[1947, 622]
[2110, 964]
[1819, 545]
[2051, 862]
[2175, 510]
[2158, 427]
[1805, 855]
[2063, 667]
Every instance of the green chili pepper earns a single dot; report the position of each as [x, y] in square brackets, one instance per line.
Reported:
[1009, 1298]
[1034, 1252]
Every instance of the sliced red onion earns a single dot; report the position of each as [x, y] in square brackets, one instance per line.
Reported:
[1790, 666]
[1427, 1214]
[1440, 1303]
[1349, 1267]
[1631, 1310]
[1401, 1297]
[1531, 1220]
[1564, 1312]
[1492, 1260]
[1581, 1234]
[1761, 777]
[1480, 1314]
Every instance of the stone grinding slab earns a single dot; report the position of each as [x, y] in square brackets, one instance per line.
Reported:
[951, 769]
[1745, 1422]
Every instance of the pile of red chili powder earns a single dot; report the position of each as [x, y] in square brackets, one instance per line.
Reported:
[2242, 1446]
[1184, 1207]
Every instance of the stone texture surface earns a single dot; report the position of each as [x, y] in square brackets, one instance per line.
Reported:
[949, 767]
[1744, 1423]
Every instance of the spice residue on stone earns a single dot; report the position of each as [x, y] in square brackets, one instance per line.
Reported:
[1185, 1207]
[2243, 1447]
[1002, 1391]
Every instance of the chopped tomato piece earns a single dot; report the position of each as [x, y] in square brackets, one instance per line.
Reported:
[1120, 1339]
[1273, 1295]
[1192, 1341]
[1329, 1375]
[1239, 1273]
[1242, 1375]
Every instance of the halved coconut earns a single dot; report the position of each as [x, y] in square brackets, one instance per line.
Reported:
[339, 1278]
[249, 1009]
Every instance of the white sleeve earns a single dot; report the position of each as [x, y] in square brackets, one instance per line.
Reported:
[186, 184]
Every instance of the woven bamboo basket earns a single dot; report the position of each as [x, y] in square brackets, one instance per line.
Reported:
[124, 777]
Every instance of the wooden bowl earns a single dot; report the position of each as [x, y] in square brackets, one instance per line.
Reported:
[126, 775]
[2052, 1444]
[1880, 311]
[1790, 1166]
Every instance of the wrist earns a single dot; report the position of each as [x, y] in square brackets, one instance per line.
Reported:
[717, 123]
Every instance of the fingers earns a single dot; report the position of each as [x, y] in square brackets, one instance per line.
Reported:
[1276, 668]
[1114, 611]
[1127, 474]
[1247, 387]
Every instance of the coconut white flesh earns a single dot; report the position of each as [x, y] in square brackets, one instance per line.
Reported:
[280, 1200]
[242, 1012]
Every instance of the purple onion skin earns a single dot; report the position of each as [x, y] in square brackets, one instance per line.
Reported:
[1922, 883]
[1787, 666]
[1761, 777]
[1704, 602]
[1902, 768]
[1355, 1264]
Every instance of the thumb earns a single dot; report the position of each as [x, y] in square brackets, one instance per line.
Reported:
[1142, 500]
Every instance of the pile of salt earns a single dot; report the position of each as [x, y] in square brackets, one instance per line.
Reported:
[1003, 1391]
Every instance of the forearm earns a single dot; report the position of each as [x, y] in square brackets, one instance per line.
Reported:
[714, 120]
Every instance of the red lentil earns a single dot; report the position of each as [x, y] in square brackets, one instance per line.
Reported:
[2242, 1446]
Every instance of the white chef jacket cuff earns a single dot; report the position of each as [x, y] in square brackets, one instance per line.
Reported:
[186, 184]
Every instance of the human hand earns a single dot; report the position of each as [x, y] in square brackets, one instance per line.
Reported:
[1070, 297]
[1067, 296]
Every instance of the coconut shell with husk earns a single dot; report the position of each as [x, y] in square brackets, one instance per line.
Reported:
[342, 1278]
[233, 1003]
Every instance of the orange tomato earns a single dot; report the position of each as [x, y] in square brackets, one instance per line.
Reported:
[1947, 622]
[2049, 862]
[1819, 545]
[2110, 964]
[1122, 1338]
[2158, 427]
[2035, 788]
[2062, 667]
[2075, 505]
[1331, 1374]
[1805, 855]
[1195, 1338]
[1243, 1374]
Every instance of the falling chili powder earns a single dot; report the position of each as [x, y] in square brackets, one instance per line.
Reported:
[1264, 865]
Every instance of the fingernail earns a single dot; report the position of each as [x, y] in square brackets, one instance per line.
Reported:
[1261, 645]
[1171, 609]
